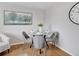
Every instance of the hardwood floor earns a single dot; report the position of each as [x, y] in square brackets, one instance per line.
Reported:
[23, 50]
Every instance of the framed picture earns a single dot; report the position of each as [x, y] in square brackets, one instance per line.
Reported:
[17, 18]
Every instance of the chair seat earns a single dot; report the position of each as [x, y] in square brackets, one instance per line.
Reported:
[49, 40]
[29, 40]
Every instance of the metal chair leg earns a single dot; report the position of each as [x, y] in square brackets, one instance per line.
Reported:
[8, 50]
[33, 52]
[45, 52]
[54, 43]
[40, 51]
[30, 45]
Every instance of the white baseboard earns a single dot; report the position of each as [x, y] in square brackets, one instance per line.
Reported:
[17, 43]
[65, 50]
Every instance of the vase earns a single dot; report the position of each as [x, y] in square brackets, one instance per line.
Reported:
[40, 29]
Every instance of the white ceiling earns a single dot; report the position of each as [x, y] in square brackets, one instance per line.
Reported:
[36, 5]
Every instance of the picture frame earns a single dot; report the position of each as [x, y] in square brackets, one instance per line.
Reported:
[17, 18]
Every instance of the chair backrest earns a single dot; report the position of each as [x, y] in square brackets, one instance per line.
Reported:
[38, 41]
[54, 35]
[25, 35]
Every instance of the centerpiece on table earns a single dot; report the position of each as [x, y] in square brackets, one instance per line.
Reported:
[40, 27]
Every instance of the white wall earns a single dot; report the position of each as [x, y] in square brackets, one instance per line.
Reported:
[15, 31]
[58, 18]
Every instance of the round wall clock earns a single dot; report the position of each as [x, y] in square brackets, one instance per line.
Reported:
[74, 13]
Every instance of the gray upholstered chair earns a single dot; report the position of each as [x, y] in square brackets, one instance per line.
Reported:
[38, 43]
[53, 38]
[28, 39]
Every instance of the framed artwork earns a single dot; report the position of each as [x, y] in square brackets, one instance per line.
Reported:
[17, 18]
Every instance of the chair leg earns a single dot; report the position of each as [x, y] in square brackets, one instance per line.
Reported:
[54, 43]
[33, 52]
[46, 44]
[30, 45]
[8, 50]
[25, 46]
[40, 51]
[44, 51]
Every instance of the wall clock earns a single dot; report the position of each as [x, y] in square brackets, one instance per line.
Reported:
[74, 13]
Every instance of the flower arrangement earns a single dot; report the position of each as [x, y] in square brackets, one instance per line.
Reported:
[40, 25]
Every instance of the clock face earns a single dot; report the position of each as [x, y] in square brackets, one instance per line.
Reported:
[74, 14]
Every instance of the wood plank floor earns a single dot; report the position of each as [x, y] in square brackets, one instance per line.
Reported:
[23, 50]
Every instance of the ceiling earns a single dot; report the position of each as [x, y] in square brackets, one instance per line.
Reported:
[36, 5]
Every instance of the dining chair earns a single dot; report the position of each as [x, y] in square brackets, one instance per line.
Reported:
[28, 39]
[53, 38]
[39, 44]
